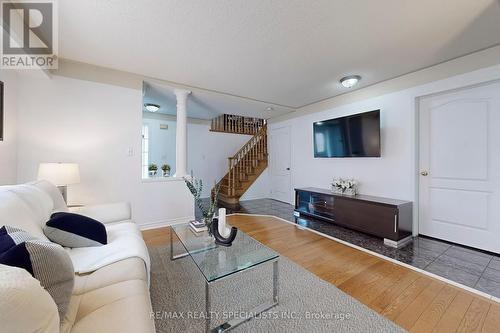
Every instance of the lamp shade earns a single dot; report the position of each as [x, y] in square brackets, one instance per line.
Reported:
[59, 174]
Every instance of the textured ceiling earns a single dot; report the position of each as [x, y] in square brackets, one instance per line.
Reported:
[287, 52]
[207, 105]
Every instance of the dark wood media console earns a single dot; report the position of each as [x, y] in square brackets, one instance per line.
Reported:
[382, 217]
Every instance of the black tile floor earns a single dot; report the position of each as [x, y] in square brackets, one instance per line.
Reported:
[470, 267]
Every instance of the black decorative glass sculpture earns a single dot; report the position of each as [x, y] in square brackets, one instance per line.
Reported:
[219, 239]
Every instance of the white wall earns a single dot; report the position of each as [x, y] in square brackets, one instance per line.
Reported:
[259, 189]
[95, 125]
[8, 147]
[208, 152]
[389, 175]
[395, 173]
[161, 142]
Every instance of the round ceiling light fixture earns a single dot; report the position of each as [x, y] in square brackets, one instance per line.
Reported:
[152, 107]
[269, 108]
[350, 81]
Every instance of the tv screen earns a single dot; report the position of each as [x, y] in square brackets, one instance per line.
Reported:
[356, 135]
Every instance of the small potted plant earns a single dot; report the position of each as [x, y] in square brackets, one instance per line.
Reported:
[166, 170]
[195, 186]
[153, 168]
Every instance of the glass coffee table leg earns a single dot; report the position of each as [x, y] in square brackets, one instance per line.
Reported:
[255, 311]
[207, 305]
[275, 282]
[171, 244]
[172, 255]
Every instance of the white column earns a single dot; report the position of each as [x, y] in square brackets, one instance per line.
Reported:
[181, 134]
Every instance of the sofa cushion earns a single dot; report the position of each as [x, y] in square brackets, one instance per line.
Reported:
[48, 263]
[122, 307]
[107, 213]
[74, 230]
[24, 305]
[38, 201]
[53, 192]
[16, 213]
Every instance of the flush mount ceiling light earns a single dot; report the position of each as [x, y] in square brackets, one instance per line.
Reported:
[152, 107]
[350, 81]
[269, 108]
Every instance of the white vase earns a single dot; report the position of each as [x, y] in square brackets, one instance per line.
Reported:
[224, 231]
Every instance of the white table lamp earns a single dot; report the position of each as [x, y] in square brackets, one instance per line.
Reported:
[60, 174]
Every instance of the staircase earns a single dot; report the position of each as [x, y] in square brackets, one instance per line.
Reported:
[244, 167]
[230, 123]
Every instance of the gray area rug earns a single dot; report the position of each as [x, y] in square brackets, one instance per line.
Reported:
[306, 303]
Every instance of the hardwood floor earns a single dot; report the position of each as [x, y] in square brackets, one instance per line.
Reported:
[412, 300]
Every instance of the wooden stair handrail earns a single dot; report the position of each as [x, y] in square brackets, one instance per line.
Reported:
[246, 159]
[259, 133]
[229, 123]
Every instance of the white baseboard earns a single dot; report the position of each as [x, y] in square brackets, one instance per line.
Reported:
[164, 223]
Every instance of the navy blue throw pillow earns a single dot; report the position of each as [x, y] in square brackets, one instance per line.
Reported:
[17, 256]
[74, 230]
[47, 262]
[11, 236]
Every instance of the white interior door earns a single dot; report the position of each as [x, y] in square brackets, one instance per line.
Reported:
[460, 167]
[280, 159]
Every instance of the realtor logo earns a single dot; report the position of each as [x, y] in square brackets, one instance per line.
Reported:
[29, 36]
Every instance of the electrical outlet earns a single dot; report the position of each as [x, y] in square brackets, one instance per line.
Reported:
[130, 152]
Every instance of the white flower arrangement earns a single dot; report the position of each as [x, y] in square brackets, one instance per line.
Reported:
[344, 186]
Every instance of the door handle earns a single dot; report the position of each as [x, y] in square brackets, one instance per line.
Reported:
[424, 173]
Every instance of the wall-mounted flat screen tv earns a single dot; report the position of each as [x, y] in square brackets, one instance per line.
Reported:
[356, 135]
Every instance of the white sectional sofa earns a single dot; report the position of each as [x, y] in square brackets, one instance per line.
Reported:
[110, 298]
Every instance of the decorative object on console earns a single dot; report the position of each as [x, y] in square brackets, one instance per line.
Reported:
[74, 230]
[166, 170]
[152, 168]
[61, 175]
[219, 239]
[195, 186]
[345, 186]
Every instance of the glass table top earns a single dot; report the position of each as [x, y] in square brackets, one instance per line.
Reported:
[215, 261]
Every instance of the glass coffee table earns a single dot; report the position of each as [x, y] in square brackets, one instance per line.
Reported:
[218, 262]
